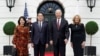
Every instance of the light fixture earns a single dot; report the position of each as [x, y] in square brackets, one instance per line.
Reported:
[10, 4]
[91, 4]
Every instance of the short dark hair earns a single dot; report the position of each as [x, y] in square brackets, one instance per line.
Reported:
[29, 18]
[22, 17]
[40, 13]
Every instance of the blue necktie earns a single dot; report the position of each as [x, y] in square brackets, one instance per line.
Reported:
[40, 25]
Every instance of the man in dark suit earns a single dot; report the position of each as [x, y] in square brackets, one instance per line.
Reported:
[39, 35]
[59, 34]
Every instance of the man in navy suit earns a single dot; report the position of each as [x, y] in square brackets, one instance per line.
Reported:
[39, 35]
[59, 34]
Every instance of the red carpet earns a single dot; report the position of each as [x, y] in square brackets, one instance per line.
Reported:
[49, 54]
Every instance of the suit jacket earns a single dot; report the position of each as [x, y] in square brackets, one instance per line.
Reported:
[39, 35]
[77, 33]
[62, 33]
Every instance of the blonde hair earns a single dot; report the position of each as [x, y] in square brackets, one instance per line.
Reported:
[75, 18]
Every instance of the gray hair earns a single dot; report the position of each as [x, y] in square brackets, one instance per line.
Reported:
[58, 10]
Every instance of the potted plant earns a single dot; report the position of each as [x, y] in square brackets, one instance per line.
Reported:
[8, 30]
[91, 29]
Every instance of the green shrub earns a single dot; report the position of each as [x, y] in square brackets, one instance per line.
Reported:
[9, 29]
[91, 27]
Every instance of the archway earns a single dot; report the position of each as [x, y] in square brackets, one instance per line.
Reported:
[48, 7]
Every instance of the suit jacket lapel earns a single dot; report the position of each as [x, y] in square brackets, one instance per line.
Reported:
[42, 26]
[55, 24]
[61, 24]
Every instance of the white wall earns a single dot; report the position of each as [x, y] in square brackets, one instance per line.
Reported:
[72, 7]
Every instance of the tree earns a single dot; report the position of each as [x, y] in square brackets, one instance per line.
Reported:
[91, 29]
[9, 29]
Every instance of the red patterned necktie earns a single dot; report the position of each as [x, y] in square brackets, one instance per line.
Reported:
[58, 25]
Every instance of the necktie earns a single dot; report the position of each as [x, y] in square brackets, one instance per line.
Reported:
[40, 26]
[58, 25]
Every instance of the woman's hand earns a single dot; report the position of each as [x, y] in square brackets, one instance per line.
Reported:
[66, 41]
[14, 46]
[83, 44]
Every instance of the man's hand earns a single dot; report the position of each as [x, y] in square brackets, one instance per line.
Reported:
[47, 45]
[32, 44]
[83, 44]
[71, 44]
[51, 42]
[65, 40]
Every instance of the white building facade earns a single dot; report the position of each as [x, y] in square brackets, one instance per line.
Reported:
[71, 8]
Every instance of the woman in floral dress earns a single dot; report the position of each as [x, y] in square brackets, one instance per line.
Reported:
[21, 37]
